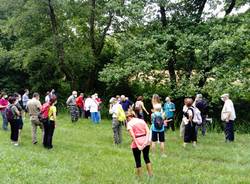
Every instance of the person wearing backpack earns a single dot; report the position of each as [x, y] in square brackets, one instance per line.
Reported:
[50, 124]
[12, 114]
[157, 128]
[118, 116]
[139, 132]
[3, 105]
[190, 135]
[201, 104]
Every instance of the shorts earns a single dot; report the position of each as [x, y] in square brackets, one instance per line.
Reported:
[155, 136]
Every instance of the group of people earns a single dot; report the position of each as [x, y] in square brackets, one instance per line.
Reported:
[162, 118]
[14, 108]
[81, 107]
[124, 113]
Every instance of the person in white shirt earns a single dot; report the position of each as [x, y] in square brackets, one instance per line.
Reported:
[87, 103]
[94, 110]
[228, 116]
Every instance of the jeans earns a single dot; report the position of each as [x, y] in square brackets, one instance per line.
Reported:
[95, 117]
[5, 121]
[117, 129]
[229, 131]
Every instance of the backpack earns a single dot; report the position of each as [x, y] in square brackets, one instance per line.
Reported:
[10, 114]
[44, 113]
[196, 115]
[158, 122]
[121, 114]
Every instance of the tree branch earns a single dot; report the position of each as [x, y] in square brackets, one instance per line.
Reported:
[230, 8]
[92, 25]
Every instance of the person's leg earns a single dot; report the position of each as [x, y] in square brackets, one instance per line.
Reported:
[227, 128]
[16, 130]
[162, 142]
[72, 113]
[33, 132]
[147, 160]
[203, 125]
[5, 121]
[46, 131]
[172, 125]
[230, 131]
[97, 116]
[137, 157]
[12, 131]
[154, 140]
[193, 134]
[115, 126]
[187, 134]
[50, 133]
[120, 132]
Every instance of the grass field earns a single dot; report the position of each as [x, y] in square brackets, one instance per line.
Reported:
[84, 153]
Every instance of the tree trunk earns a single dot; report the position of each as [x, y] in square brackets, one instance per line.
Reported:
[230, 8]
[58, 43]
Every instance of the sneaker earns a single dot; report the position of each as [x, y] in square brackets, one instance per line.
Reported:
[16, 144]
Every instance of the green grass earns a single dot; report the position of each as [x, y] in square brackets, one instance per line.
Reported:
[84, 153]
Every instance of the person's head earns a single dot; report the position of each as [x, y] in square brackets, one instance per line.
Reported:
[81, 94]
[53, 100]
[26, 91]
[17, 96]
[123, 98]
[140, 98]
[74, 93]
[12, 100]
[47, 93]
[188, 102]
[130, 114]
[198, 96]
[157, 107]
[224, 97]
[156, 99]
[36, 96]
[168, 99]
[4, 95]
[96, 95]
[111, 101]
[53, 91]
[93, 97]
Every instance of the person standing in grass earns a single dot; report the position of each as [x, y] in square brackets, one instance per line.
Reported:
[139, 108]
[190, 135]
[94, 110]
[80, 105]
[25, 99]
[14, 124]
[139, 133]
[118, 116]
[169, 109]
[157, 128]
[50, 124]
[34, 107]
[71, 102]
[228, 115]
[19, 118]
[3, 105]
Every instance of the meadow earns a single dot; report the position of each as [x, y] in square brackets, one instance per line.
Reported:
[84, 153]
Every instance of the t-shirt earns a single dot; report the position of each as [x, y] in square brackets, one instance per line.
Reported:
[93, 106]
[228, 108]
[34, 106]
[188, 112]
[52, 110]
[87, 104]
[114, 110]
[138, 105]
[125, 105]
[80, 102]
[25, 99]
[71, 101]
[152, 121]
[168, 109]
[139, 128]
[3, 102]
[202, 106]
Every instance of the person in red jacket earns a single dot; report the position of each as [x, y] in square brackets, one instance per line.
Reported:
[80, 104]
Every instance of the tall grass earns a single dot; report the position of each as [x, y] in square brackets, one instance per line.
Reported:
[84, 153]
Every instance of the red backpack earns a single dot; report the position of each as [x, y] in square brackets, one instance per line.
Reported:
[44, 113]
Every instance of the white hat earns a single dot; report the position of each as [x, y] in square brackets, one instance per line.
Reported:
[224, 95]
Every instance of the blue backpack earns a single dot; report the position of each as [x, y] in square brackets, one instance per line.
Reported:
[158, 122]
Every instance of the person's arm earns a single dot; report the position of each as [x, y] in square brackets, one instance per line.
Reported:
[134, 139]
[190, 115]
[173, 107]
[142, 105]
[147, 136]
[54, 113]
